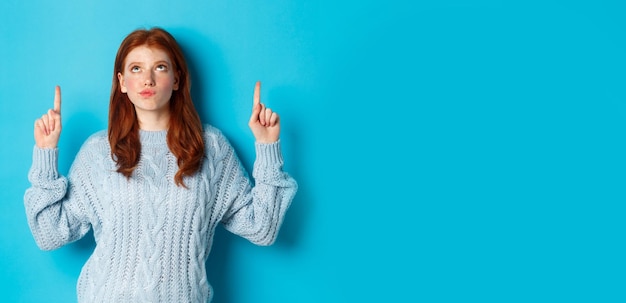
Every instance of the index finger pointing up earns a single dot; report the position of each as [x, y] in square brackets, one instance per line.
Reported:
[57, 99]
[257, 93]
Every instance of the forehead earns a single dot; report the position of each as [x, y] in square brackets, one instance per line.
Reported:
[146, 54]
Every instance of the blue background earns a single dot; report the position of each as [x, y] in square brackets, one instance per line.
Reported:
[446, 151]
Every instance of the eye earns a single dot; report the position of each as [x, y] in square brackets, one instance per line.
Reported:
[134, 69]
[161, 67]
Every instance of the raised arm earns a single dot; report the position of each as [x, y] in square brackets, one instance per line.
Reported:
[257, 210]
[54, 219]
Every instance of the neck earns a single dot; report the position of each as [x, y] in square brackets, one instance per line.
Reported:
[151, 121]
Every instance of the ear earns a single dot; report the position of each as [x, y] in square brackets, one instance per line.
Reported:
[176, 81]
[120, 78]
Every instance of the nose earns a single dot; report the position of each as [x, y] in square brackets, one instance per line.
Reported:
[149, 81]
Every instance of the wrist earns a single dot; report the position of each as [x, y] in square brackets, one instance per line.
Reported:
[46, 146]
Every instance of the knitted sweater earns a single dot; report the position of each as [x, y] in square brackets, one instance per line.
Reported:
[153, 237]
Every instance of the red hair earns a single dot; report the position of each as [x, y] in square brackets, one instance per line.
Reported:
[184, 136]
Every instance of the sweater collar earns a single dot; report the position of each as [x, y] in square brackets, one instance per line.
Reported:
[152, 137]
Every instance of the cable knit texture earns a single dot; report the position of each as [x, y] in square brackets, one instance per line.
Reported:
[153, 237]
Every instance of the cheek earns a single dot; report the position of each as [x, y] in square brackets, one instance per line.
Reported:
[131, 81]
[165, 81]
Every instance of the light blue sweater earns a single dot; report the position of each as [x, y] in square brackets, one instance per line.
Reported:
[153, 237]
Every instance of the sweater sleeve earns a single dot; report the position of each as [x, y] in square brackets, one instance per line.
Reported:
[256, 213]
[55, 216]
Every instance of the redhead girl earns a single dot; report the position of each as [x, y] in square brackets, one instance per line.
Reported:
[154, 186]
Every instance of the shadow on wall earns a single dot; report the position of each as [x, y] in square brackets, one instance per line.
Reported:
[204, 58]
[288, 98]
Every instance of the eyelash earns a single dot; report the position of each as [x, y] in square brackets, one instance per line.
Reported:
[160, 67]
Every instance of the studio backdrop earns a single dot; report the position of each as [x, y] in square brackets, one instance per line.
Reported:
[446, 151]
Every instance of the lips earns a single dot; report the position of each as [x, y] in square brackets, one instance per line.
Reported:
[147, 93]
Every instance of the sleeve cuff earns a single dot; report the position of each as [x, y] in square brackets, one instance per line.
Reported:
[45, 162]
[268, 154]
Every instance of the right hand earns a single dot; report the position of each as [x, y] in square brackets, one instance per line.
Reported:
[48, 127]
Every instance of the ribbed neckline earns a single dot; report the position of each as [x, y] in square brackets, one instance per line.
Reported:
[152, 137]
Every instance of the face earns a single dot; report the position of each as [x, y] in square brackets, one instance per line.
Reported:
[148, 79]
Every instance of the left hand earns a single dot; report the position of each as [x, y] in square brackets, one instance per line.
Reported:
[264, 123]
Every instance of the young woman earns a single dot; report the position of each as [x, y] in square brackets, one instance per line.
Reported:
[155, 185]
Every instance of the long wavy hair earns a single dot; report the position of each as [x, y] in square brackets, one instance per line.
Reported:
[184, 136]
